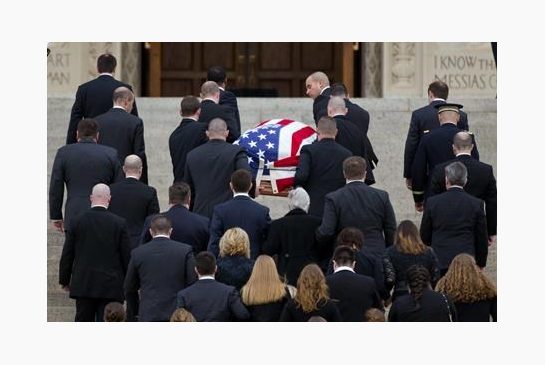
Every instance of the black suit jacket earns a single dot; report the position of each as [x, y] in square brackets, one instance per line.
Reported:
[355, 294]
[361, 206]
[243, 212]
[434, 148]
[159, 269]
[292, 238]
[187, 136]
[208, 172]
[480, 183]
[93, 98]
[211, 110]
[453, 223]
[187, 227]
[320, 171]
[211, 301]
[124, 132]
[229, 99]
[434, 307]
[134, 201]
[319, 106]
[95, 255]
[80, 166]
[349, 136]
[424, 120]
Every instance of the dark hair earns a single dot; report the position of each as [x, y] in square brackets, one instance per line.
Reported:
[106, 63]
[354, 167]
[327, 125]
[407, 239]
[216, 74]
[205, 263]
[338, 89]
[350, 236]
[241, 180]
[439, 89]
[114, 312]
[189, 105]
[344, 256]
[160, 223]
[418, 279]
[179, 193]
[87, 128]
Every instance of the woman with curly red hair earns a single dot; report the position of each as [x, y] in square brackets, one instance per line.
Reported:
[473, 293]
[311, 299]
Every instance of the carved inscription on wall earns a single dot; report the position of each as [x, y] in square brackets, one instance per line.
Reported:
[58, 65]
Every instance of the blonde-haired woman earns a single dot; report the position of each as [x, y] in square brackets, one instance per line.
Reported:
[407, 250]
[234, 263]
[473, 293]
[312, 298]
[265, 295]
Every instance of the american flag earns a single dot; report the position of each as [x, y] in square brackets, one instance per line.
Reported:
[273, 148]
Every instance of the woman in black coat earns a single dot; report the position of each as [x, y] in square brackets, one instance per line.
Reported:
[264, 295]
[407, 250]
[473, 293]
[234, 263]
[423, 304]
[311, 299]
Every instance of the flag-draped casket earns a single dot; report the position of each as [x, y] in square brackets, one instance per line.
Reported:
[273, 148]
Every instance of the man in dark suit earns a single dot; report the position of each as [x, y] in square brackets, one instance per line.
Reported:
[435, 148]
[158, 270]
[423, 121]
[361, 206]
[187, 227]
[454, 221]
[94, 258]
[209, 300]
[227, 98]
[209, 167]
[481, 182]
[132, 199]
[355, 293]
[187, 136]
[348, 135]
[317, 86]
[242, 212]
[95, 97]
[210, 109]
[80, 166]
[292, 237]
[319, 170]
[123, 131]
[360, 117]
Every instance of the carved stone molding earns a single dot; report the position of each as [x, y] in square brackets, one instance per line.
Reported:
[402, 69]
[403, 64]
[372, 70]
[131, 56]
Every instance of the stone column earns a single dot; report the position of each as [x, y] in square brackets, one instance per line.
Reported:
[402, 74]
[131, 57]
[371, 75]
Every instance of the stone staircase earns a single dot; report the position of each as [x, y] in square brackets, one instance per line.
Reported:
[388, 129]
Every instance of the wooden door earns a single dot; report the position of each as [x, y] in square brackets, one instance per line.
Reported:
[177, 69]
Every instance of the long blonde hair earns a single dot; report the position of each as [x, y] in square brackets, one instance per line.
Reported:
[464, 282]
[264, 285]
[311, 288]
[235, 242]
[407, 239]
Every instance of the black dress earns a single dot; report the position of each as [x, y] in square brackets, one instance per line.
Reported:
[326, 309]
[480, 311]
[396, 264]
[268, 312]
[433, 308]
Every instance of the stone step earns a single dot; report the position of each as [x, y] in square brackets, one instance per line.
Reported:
[64, 313]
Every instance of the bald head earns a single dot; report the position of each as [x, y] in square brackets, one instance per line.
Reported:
[210, 90]
[315, 83]
[336, 106]
[217, 129]
[327, 128]
[132, 166]
[462, 143]
[124, 98]
[100, 195]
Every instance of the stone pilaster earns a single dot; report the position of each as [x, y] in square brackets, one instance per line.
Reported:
[402, 74]
[371, 76]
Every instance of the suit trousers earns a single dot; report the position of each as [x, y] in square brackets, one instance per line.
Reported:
[91, 309]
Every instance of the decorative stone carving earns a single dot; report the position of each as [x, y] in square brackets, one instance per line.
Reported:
[131, 56]
[372, 70]
[403, 69]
